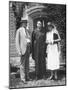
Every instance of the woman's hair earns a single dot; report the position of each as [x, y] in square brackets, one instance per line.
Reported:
[50, 24]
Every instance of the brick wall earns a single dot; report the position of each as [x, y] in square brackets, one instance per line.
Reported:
[12, 30]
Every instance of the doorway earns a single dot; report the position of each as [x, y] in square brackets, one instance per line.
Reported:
[42, 19]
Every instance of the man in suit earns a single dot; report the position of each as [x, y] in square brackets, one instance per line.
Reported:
[23, 48]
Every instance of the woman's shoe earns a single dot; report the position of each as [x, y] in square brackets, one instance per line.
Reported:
[24, 82]
[36, 78]
[55, 78]
[44, 77]
[50, 78]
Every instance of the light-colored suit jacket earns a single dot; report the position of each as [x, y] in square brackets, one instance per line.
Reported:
[21, 40]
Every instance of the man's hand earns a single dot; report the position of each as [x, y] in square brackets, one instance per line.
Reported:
[20, 53]
[28, 40]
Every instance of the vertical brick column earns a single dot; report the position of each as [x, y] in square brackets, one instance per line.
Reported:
[12, 31]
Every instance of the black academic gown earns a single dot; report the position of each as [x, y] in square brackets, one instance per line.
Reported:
[39, 51]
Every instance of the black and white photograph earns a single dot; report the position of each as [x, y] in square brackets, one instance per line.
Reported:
[37, 44]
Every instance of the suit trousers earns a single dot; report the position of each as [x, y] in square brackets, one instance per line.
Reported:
[24, 67]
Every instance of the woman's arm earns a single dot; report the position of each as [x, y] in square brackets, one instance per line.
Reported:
[58, 37]
[46, 41]
[32, 40]
[58, 40]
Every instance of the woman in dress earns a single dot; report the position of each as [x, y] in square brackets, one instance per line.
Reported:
[53, 49]
[38, 50]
